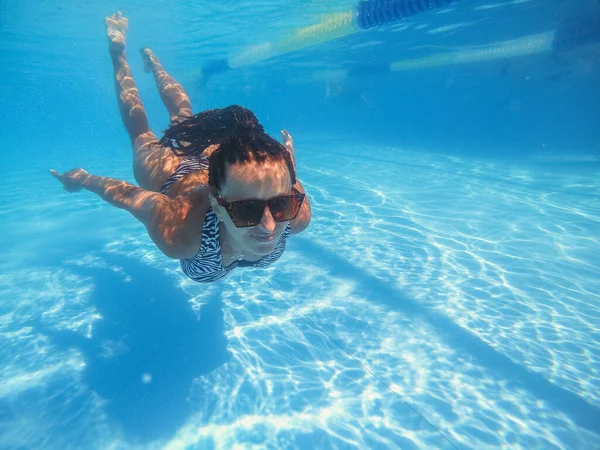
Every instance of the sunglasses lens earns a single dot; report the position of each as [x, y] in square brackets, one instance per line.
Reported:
[284, 208]
[247, 213]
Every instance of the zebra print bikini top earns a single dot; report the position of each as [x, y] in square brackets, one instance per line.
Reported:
[207, 265]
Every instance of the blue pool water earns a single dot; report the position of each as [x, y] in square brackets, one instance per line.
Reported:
[446, 294]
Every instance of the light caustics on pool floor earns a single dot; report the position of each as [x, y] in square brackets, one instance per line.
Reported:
[432, 272]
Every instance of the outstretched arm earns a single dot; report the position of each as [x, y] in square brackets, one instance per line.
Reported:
[172, 224]
[302, 220]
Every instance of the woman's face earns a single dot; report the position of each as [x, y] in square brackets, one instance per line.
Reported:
[254, 181]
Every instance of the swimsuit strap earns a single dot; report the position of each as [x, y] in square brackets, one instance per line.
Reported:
[187, 166]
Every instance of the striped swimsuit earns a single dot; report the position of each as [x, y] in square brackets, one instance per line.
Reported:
[207, 265]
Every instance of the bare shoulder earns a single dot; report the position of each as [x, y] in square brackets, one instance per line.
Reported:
[188, 183]
[190, 209]
[199, 196]
[194, 204]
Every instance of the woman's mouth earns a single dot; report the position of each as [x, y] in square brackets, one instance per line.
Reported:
[264, 237]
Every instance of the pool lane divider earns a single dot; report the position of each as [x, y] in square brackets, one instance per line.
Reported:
[364, 15]
[570, 35]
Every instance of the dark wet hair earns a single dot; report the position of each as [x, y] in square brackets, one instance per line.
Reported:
[239, 135]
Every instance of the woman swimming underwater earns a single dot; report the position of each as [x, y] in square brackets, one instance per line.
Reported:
[215, 192]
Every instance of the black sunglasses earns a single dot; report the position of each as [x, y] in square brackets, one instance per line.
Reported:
[248, 213]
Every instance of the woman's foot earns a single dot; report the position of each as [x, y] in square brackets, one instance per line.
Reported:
[149, 58]
[116, 26]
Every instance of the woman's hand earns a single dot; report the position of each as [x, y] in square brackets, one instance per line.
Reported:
[72, 180]
[288, 143]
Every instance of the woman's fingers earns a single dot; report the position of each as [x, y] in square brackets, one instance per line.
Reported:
[59, 177]
[55, 174]
[69, 182]
[288, 141]
[287, 137]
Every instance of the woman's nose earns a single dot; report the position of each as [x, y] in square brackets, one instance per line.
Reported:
[267, 222]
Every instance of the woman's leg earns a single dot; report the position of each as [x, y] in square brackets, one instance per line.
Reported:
[171, 92]
[152, 163]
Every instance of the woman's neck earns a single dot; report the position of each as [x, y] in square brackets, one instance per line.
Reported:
[231, 249]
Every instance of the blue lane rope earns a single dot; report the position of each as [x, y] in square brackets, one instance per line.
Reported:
[374, 13]
[363, 15]
[369, 371]
[577, 32]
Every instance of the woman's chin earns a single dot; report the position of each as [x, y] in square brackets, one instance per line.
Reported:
[262, 247]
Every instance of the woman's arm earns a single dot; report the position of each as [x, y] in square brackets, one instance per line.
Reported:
[302, 220]
[175, 225]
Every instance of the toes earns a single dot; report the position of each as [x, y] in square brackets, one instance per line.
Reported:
[112, 18]
[117, 20]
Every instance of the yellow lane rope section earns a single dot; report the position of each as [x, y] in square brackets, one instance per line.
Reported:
[537, 43]
[332, 26]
